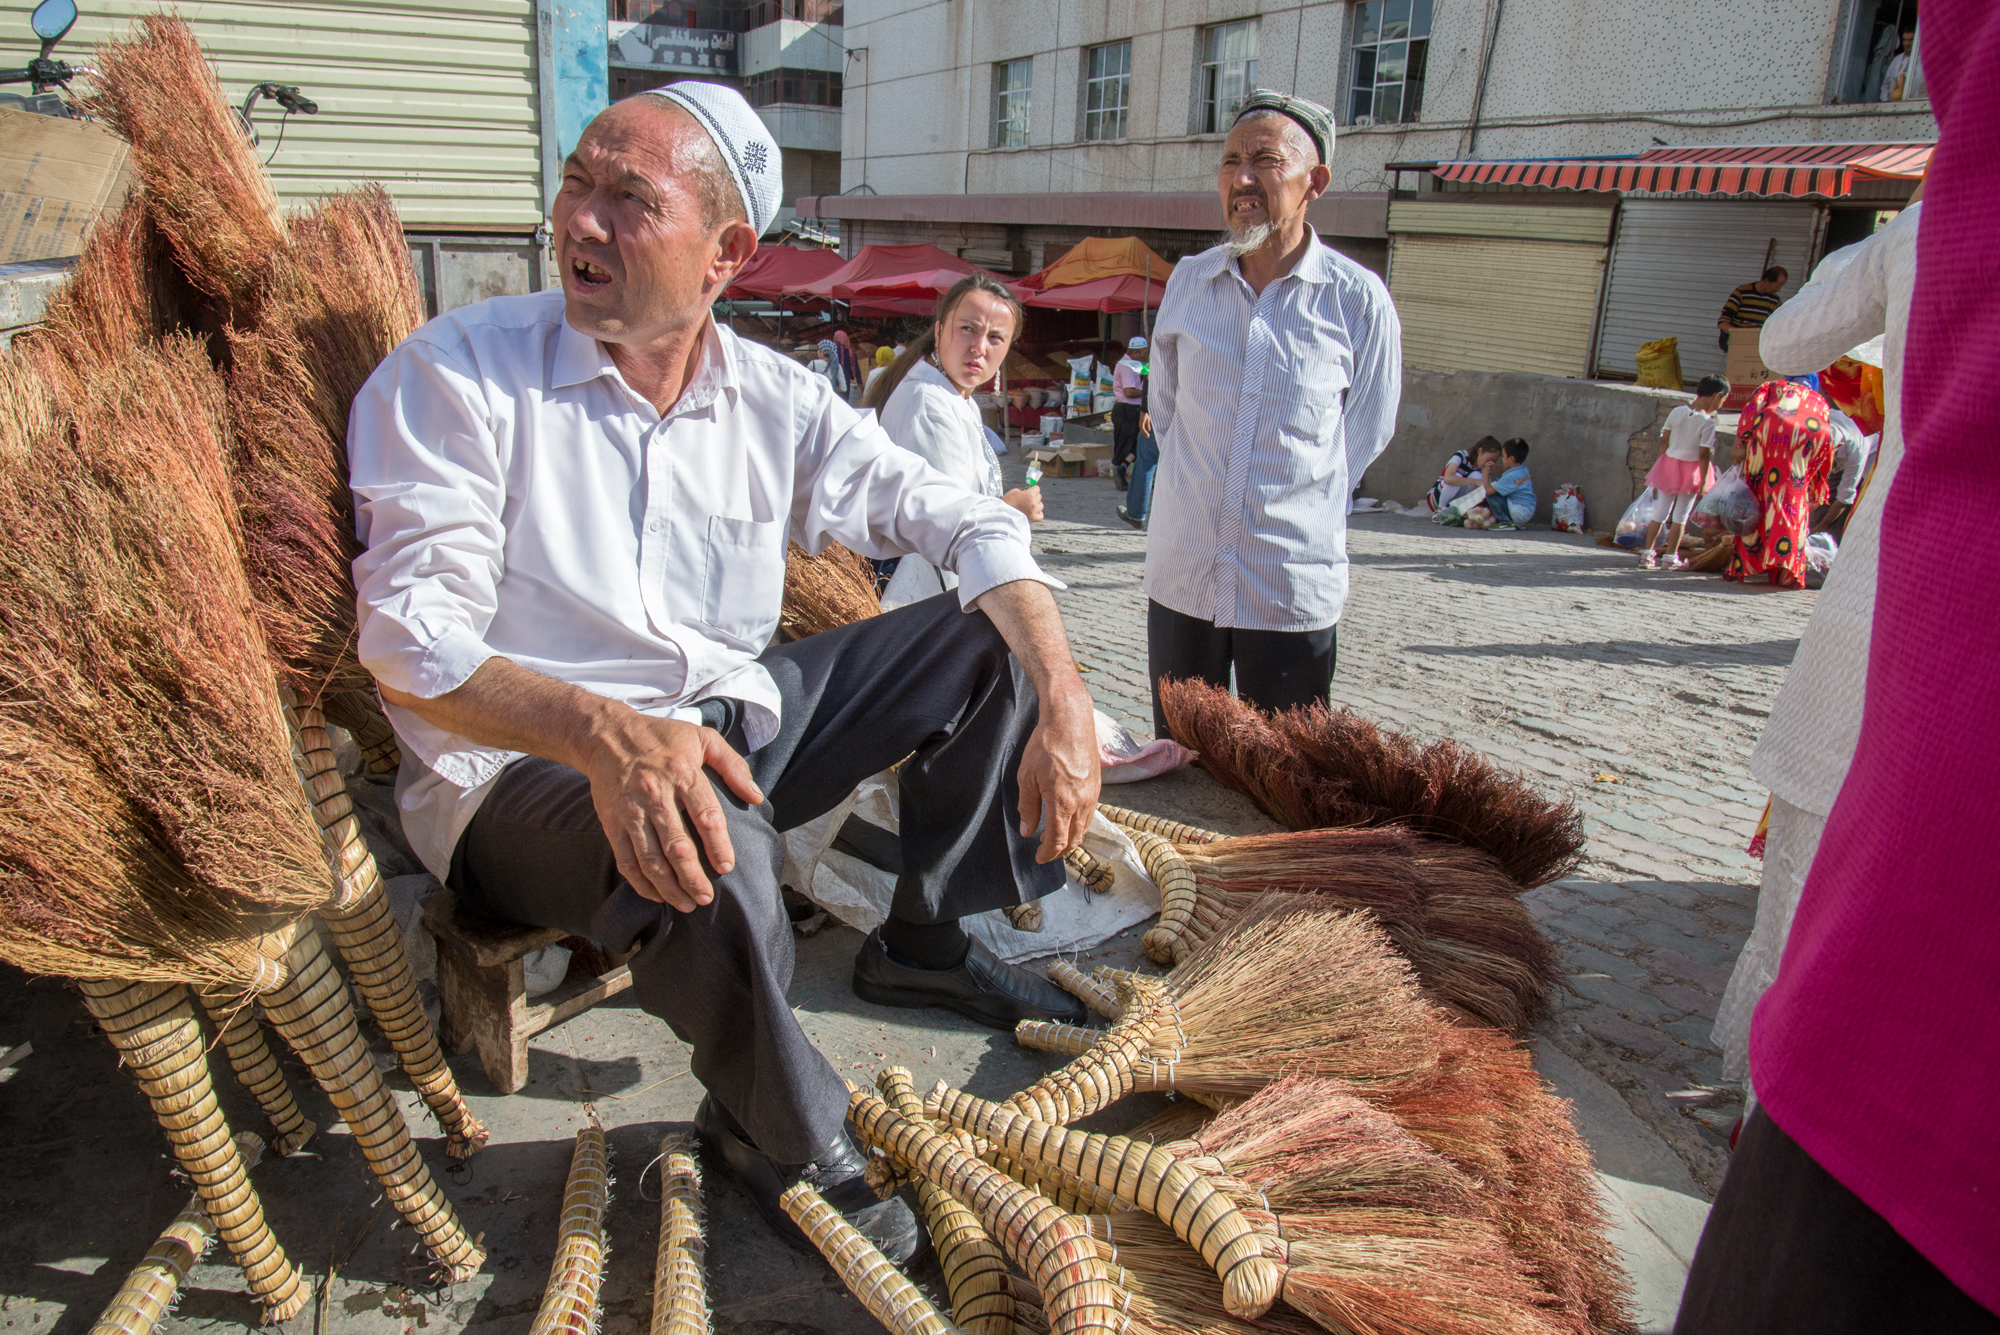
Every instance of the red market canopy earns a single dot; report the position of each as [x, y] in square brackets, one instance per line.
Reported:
[872, 262]
[773, 269]
[925, 285]
[1123, 292]
[1793, 170]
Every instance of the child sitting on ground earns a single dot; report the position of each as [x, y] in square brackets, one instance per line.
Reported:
[1510, 498]
[1683, 471]
[1465, 470]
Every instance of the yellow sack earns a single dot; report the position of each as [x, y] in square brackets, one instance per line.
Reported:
[1660, 364]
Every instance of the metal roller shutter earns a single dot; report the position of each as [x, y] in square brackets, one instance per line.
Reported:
[435, 100]
[1495, 303]
[1675, 262]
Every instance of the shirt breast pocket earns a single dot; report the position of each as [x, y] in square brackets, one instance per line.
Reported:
[744, 581]
[1310, 376]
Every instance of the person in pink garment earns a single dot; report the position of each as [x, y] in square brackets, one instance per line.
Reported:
[1865, 1193]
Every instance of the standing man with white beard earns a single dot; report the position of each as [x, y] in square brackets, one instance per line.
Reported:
[1276, 370]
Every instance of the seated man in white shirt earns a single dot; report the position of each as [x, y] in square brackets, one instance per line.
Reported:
[575, 508]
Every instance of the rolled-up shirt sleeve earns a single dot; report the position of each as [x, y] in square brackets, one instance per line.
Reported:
[856, 487]
[429, 492]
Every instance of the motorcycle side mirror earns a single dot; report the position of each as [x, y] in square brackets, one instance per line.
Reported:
[53, 18]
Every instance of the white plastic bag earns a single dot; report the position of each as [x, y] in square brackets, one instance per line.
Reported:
[1631, 530]
[1729, 507]
[1566, 511]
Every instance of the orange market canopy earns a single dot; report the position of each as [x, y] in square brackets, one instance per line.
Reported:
[1794, 170]
[1097, 257]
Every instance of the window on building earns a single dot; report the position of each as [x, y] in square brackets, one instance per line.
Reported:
[1391, 50]
[1228, 72]
[1878, 59]
[757, 13]
[808, 88]
[1012, 80]
[1106, 91]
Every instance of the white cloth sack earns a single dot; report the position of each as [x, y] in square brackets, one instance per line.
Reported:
[1073, 918]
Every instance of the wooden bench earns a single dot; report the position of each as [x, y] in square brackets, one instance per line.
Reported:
[483, 988]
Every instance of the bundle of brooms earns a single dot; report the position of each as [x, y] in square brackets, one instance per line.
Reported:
[826, 591]
[1315, 768]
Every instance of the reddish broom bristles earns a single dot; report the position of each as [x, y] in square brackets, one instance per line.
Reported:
[1313, 767]
[822, 592]
[143, 725]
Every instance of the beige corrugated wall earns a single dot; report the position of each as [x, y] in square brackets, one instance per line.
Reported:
[1497, 287]
[434, 100]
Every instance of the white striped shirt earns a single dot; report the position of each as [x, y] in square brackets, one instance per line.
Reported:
[1265, 407]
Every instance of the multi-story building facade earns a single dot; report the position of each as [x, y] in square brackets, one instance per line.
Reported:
[1007, 130]
[788, 57]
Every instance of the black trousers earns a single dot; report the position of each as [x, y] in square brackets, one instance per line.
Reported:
[1124, 432]
[1275, 669]
[927, 682]
[1787, 1249]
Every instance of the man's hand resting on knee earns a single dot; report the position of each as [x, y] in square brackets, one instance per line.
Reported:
[1060, 772]
[647, 775]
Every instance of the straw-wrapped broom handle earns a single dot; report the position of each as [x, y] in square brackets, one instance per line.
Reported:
[150, 1289]
[1096, 877]
[1059, 1256]
[569, 1305]
[257, 1069]
[154, 1029]
[1177, 1194]
[975, 1269]
[1103, 1075]
[870, 1276]
[312, 1012]
[1100, 997]
[1149, 1074]
[1167, 942]
[368, 938]
[1159, 825]
[1024, 917]
[680, 1288]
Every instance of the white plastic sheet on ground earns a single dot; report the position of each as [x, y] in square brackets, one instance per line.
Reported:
[1072, 918]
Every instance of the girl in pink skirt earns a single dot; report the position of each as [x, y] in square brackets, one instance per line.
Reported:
[1684, 469]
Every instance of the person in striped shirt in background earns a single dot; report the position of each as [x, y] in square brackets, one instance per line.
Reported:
[1751, 304]
[1276, 373]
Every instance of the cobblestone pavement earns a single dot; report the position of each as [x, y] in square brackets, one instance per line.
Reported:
[1638, 695]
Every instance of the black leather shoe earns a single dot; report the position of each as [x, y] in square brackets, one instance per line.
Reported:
[982, 987]
[835, 1174]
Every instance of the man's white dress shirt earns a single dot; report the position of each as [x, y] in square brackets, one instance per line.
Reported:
[518, 499]
[1267, 408]
[1857, 292]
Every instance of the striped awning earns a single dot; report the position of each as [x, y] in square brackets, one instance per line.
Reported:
[1796, 170]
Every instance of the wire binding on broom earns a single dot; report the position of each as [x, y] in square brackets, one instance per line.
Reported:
[1103, 1074]
[153, 1027]
[1171, 830]
[1024, 917]
[1171, 873]
[680, 1284]
[870, 1276]
[1077, 1293]
[569, 1305]
[148, 1293]
[1097, 996]
[1156, 1181]
[1095, 875]
[974, 1268]
[369, 940]
[257, 1070]
[311, 1010]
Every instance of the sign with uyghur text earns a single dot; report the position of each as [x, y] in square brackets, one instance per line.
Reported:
[654, 46]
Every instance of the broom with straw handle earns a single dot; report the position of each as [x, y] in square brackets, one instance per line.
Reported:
[975, 1270]
[1039, 1237]
[1176, 1194]
[870, 1276]
[569, 1305]
[153, 1027]
[680, 1288]
[1172, 831]
[257, 1069]
[150, 1289]
[311, 1010]
[368, 938]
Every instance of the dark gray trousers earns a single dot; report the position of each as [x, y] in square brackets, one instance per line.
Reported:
[927, 682]
[1274, 669]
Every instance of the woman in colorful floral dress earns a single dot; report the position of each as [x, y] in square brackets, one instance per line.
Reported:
[1787, 453]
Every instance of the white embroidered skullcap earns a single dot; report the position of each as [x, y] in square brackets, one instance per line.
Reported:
[748, 150]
